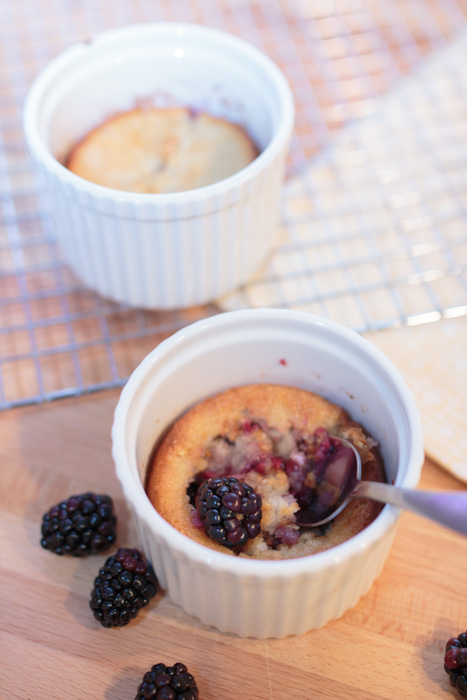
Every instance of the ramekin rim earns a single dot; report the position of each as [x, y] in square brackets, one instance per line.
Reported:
[182, 544]
[99, 192]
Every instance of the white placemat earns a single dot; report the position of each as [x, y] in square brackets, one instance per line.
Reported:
[433, 361]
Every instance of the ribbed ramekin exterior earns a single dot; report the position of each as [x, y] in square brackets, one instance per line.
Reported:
[259, 607]
[174, 255]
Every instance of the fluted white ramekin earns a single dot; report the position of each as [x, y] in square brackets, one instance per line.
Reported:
[162, 250]
[245, 596]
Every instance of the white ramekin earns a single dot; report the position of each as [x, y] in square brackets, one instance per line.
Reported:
[239, 595]
[162, 250]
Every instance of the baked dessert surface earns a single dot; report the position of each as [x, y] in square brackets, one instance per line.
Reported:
[262, 434]
[151, 150]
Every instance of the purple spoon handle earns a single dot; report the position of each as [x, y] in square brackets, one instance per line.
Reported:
[447, 508]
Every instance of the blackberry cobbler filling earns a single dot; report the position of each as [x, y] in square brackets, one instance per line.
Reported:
[262, 467]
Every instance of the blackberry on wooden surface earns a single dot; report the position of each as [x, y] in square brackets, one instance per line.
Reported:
[125, 584]
[168, 683]
[80, 525]
[455, 663]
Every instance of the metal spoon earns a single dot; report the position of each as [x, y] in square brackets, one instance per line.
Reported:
[342, 481]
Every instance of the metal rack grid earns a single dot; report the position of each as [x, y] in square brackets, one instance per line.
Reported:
[373, 226]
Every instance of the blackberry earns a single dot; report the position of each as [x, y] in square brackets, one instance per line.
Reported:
[455, 663]
[230, 511]
[83, 524]
[168, 683]
[125, 584]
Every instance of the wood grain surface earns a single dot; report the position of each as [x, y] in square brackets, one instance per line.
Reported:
[389, 646]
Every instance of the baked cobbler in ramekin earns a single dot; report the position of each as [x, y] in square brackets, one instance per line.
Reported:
[213, 363]
[276, 439]
[148, 232]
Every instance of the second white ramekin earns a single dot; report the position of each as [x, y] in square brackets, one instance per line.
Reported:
[239, 595]
[162, 250]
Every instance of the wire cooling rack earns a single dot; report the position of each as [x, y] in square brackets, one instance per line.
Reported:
[374, 209]
[375, 228]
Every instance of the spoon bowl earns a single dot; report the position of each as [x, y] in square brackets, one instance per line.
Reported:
[342, 481]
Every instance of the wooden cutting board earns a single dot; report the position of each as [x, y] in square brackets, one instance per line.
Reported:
[389, 646]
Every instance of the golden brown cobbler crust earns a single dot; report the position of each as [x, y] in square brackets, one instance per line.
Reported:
[182, 454]
[151, 150]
